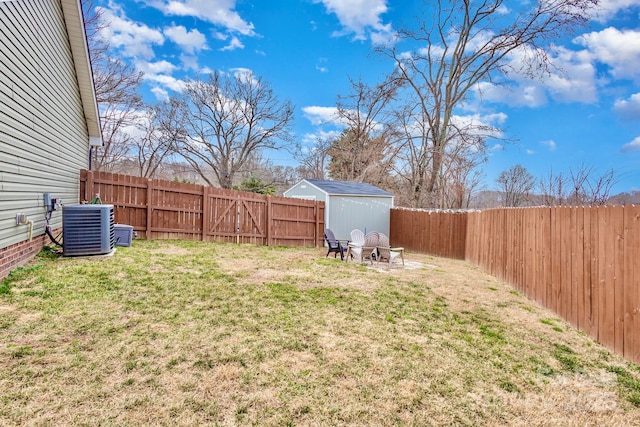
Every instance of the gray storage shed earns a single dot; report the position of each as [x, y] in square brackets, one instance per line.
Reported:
[348, 205]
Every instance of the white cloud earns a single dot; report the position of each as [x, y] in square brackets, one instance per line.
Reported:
[632, 146]
[234, 44]
[607, 9]
[572, 79]
[495, 119]
[166, 81]
[220, 36]
[135, 40]
[361, 18]
[189, 62]
[244, 74]
[486, 125]
[312, 138]
[190, 41]
[551, 144]
[496, 147]
[159, 72]
[619, 49]
[320, 115]
[217, 12]
[530, 152]
[385, 36]
[628, 108]
[159, 67]
[160, 94]
[526, 94]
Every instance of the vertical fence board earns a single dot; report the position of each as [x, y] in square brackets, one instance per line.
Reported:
[529, 260]
[572, 277]
[567, 230]
[631, 317]
[577, 264]
[148, 232]
[587, 284]
[605, 279]
[552, 297]
[595, 273]
[546, 284]
[617, 224]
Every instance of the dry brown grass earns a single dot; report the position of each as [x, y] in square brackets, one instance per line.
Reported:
[186, 333]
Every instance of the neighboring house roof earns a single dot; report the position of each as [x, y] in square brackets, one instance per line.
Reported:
[348, 188]
[74, 21]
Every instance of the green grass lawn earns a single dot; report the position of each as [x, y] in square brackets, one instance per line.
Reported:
[190, 333]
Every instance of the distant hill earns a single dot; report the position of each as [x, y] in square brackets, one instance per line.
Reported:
[493, 199]
[626, 198]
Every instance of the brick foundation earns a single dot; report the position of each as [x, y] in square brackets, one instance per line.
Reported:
[20, 253]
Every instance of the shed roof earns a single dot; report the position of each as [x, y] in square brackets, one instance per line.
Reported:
[348, 188]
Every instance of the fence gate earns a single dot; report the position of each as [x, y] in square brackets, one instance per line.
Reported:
[235, 218]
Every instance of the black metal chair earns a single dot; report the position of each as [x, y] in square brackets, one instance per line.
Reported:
[334, 244]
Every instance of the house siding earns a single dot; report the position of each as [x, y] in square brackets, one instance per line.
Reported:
[43, 130]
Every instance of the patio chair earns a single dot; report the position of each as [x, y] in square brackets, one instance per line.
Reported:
[334, 244]
[357, 237]
[387, 253]
[366, 251]
[357, 240]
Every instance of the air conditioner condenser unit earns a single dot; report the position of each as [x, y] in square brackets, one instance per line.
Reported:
[87, 229]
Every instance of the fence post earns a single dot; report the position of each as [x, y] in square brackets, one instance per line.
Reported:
[205, 211]
[316, 233]
[268, 220]
[238, 203]
[88, 188]
[149, 208]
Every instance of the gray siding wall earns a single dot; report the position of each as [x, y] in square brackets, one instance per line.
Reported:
[43, 134]
[304, 190]
[344, 213]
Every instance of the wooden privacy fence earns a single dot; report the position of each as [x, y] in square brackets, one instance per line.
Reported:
[160, 209]
[429, 232]
[581, 262]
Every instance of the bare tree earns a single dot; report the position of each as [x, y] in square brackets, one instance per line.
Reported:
[460, 173]
[313, 161]
[582, 186]
[259, 173]
[464, 152]
[516, 185]
[228, 119]
[589, 188]
[460, 45]
[160, 136]
[365, 150]
[599, 188]
[116, 85]
[553, 189]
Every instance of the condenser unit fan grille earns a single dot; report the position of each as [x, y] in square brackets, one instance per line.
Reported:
[87, 230]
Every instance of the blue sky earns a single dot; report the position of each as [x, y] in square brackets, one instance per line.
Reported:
[307, 49]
